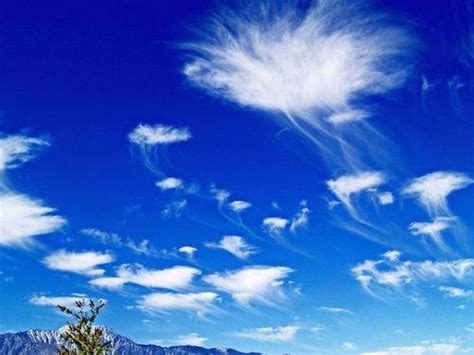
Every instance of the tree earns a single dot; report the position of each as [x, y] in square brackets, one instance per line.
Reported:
[83, 337]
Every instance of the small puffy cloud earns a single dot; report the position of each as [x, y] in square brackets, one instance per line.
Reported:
[234, 245]
[239, 205]
[174, 278]
[187, 250]
[84, 263]
[199, 303]
[344, 187]
[108, 283]
[170, 183]
[301, 218]
[16, 150]
[395, 274]
[455, 292]
[275, 225]
[192, 339]
[253, 284]
[149, 135]
[22, 218]
[385, 198]
[270, 334]
[335, 310]
[432, 190]
[54, 301]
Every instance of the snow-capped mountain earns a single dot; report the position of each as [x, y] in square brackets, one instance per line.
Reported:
[46, 342]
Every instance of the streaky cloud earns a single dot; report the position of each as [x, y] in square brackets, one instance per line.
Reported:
[234, 245]
[313, 64]
[432, 190]
[252, 285]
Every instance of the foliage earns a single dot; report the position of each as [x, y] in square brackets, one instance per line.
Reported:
[83, 337]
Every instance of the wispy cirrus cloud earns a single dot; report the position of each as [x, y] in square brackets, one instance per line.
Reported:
[234, 245]
[164, 302]
[139, 247]
[21, 217]
[253, 284]
[301, 219]
[393, 274]
[239, 205]
[432, 190]
[175, 278]
[151, 137]
[84, 263]
[433, 230]
[455, 292]
[310, 65]
[275, 225]
[347, 186]
[270, 334]
[432, 348]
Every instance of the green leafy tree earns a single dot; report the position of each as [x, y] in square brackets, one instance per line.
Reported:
[82, 337]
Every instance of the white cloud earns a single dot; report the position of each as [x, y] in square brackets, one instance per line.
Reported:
[395, 274]
[170, 183]
[432, 190]
[298, 61]
[145, 134]
[220, 195]
[335, 310]
[199, 303]
[275, 225]
[422, 349]
[270, 334]
[392, 255]
[174, 209]
[239, 205]
[192, 339]
[385, 198]
[349, 346]
[344, 187]
[455, 292]
[188, 250]
[174, 278]
[141, 247]
[253, 284]
[16, 150]
[308, 65]
[54, 301]
[108, 283]
[433, 229]
[348, 116]
[235, 245]
[84, 263]
[22, 218]
[301, 218]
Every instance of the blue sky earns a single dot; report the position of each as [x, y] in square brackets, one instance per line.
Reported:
[290, 177]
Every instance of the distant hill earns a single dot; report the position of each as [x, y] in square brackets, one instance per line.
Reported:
[46, 342]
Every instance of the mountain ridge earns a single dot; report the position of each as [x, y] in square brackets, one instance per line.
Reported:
[46, 342]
